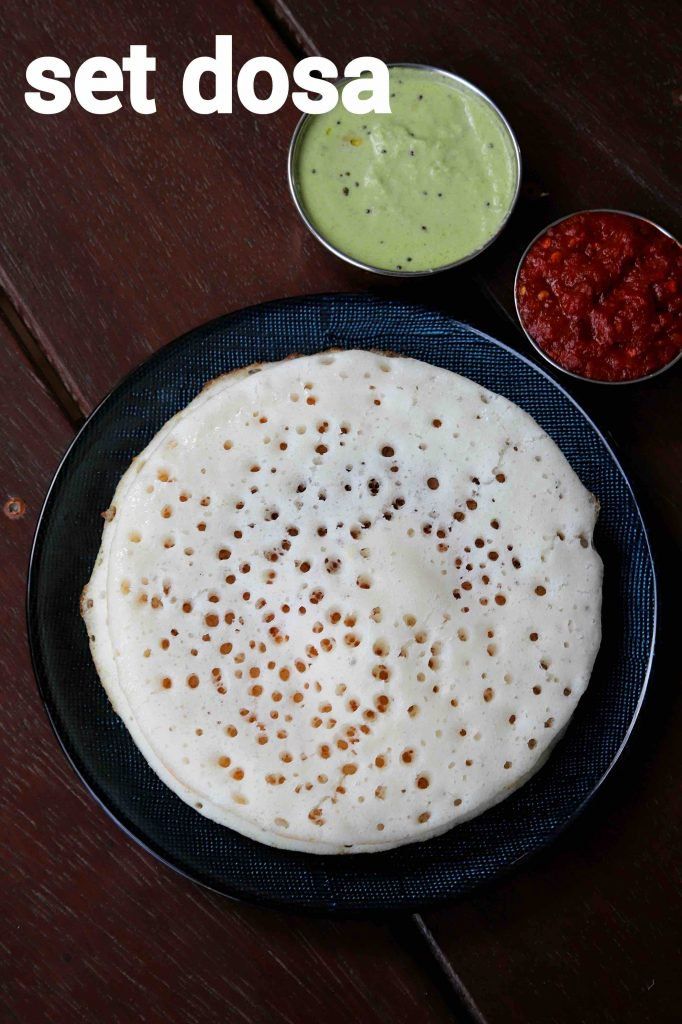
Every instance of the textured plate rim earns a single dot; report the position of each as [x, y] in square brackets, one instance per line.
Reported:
[81, 770]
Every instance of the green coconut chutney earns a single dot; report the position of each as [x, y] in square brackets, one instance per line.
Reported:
[416, 189]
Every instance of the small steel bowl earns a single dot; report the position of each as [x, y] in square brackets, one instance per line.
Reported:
[531, 339]
[293, 188]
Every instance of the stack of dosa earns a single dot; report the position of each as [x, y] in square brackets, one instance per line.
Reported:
[346, 601]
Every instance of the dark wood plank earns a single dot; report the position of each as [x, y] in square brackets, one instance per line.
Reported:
[132, 229]
[92, 928]
[159, 226]
[589, 930]
[161, 222]
[590, 96]
[587, 88]
[128, 230]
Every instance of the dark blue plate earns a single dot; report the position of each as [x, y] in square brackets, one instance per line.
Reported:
[99, 746]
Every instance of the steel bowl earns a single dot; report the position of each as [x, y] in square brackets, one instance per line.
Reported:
[531, 339]
[293, 186]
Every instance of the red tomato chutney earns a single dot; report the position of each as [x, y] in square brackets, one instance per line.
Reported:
[601, 295]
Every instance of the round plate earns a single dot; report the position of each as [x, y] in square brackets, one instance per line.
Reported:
[98, 744]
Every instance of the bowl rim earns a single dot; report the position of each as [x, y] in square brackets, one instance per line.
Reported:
[529, 336]
[298, 203]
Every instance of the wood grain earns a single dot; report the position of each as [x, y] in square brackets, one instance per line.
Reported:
[92, 928]
[119, 233]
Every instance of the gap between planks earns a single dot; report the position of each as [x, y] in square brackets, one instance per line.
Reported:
[466, 1007]
[47, 374]
[285, 24]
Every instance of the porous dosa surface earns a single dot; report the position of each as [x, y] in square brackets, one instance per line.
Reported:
[346, 601]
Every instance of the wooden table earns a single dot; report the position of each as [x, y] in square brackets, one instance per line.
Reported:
[119, 233]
